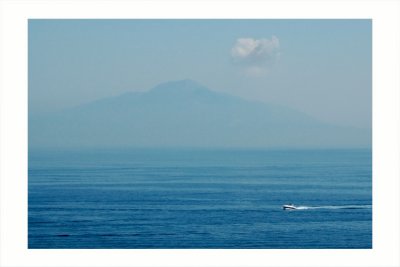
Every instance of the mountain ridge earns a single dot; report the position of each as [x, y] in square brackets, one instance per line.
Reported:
[186, 114]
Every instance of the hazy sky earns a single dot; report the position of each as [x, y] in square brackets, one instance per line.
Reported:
[320, 67]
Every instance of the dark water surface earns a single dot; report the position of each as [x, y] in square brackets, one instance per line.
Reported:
[200, 199]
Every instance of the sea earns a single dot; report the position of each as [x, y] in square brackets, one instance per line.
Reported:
[199, 199]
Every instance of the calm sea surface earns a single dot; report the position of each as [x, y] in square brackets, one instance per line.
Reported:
[200, 199]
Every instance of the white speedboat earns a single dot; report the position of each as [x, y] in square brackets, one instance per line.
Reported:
[289, 207]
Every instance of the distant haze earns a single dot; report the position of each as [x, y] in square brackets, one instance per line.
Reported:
[187, 114]
[319, 68]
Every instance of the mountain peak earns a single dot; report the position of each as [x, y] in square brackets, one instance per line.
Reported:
[180, 86]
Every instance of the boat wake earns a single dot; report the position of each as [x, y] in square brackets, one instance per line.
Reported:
[334, 207]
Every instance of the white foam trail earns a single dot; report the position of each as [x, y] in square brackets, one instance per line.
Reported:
[335, 207]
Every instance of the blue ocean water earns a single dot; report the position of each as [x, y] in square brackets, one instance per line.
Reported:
[149, 198]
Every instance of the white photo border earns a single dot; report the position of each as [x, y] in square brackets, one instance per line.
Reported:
[14, 15]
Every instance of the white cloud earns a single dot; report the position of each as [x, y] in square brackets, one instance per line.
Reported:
[255, 54]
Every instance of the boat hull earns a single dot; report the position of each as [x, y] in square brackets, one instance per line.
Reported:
[288, 207]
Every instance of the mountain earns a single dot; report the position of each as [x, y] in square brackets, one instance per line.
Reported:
[187, 114]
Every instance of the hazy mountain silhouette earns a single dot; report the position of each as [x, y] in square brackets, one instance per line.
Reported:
[186, 114]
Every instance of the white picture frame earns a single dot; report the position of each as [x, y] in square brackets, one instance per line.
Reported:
[13, 136]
